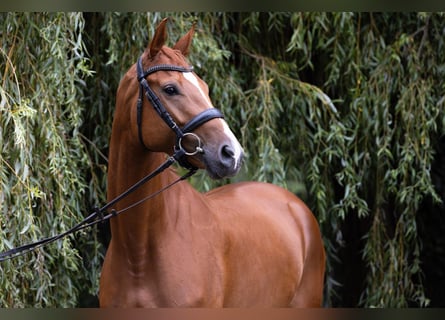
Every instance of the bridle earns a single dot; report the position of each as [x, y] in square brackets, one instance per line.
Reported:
[179, 155]
[181, 133]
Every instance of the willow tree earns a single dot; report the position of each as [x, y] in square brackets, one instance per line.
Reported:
[43, 162]
[344, 109]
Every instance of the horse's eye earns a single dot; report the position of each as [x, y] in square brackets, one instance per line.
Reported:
[170, 90]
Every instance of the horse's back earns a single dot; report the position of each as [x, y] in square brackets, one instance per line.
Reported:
[272, 240]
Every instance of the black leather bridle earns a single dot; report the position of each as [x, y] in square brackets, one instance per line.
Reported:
[154, 100]
[107, 211]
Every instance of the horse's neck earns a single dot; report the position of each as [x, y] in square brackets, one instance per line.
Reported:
[138, 226]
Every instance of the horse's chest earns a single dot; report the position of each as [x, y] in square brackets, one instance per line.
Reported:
[175, 277]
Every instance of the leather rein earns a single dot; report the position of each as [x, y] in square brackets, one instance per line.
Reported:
[107, 212]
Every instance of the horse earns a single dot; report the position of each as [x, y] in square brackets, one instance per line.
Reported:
[246, 244]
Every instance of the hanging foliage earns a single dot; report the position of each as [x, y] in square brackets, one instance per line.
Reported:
[344, 109]
[43, 160]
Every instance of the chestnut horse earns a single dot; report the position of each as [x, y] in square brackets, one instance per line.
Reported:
[240, 245]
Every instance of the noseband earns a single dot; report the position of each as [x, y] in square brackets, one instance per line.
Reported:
[181, 133]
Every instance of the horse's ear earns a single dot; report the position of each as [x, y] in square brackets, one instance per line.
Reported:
[184, 43]
[159, 38]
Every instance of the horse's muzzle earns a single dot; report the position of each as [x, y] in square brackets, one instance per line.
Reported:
[224, 163]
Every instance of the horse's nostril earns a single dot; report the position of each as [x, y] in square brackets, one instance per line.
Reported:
[227, 156]
[228, 152]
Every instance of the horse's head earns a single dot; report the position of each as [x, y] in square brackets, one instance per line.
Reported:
[210, 144]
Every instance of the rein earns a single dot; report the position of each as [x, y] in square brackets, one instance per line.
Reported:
[101, 214]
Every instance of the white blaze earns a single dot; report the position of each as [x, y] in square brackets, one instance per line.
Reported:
[235, 144]
[194, 80]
